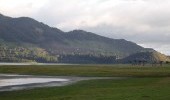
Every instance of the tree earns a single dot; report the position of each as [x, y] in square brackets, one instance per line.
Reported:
[167, 62]
[161, 63]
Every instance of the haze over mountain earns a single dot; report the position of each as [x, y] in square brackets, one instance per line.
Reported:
[28, 39]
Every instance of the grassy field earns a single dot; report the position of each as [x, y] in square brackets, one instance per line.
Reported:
[89, 70]
[149, 83]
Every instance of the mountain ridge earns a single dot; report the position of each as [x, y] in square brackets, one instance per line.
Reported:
[25, 31]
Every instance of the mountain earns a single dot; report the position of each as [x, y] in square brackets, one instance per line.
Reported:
[27, 39]
[149, 57]
[27, 30]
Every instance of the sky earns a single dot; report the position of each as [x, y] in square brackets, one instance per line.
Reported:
[145, 22]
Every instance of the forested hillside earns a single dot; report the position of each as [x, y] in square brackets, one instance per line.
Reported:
[25, 39]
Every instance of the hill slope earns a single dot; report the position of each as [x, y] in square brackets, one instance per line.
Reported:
[28, 33]
[149, 57]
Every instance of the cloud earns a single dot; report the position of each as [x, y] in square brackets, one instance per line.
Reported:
[17, 8]
[145, 22]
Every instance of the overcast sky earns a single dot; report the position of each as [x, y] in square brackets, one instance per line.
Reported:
[146, 22]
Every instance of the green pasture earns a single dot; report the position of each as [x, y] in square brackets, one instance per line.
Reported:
[146, 83]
